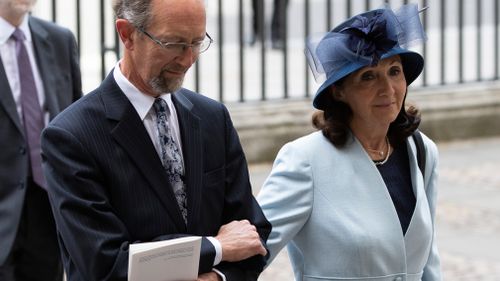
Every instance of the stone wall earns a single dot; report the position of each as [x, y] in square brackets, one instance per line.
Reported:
[464, 111]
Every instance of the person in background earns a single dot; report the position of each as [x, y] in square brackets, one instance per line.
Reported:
[142, 159]
[39, 77]
[349, 200]
[277, 24]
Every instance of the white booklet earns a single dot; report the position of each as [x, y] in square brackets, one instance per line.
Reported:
[168, 260]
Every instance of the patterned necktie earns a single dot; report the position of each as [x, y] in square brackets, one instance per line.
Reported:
[170, 155]
[32, 112]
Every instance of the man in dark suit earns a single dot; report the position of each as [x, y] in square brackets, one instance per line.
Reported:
[39, 76]
[141, 159]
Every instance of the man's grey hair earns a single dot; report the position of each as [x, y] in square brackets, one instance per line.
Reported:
[137, 12]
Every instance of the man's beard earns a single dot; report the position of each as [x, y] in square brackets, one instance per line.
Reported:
[162, 85]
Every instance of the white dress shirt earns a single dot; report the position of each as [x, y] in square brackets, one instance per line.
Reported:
[9, 60]
[143, 104]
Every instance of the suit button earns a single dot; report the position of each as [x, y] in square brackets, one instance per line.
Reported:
[22, 150]
[398, 278]
[21, 184]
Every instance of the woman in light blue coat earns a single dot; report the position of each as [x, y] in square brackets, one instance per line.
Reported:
[349, 201]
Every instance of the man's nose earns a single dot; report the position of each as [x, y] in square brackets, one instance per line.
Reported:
[187, 57]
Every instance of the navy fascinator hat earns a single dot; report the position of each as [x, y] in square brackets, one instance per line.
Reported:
[362, 41]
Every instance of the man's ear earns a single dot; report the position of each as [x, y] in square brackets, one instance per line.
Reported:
[126, 32]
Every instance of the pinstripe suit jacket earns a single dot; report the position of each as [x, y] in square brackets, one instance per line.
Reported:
[108, 188]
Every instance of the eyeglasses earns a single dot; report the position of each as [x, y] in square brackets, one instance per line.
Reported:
[180, 47]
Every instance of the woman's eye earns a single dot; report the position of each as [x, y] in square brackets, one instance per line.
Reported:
[367, 76]
[395, 71]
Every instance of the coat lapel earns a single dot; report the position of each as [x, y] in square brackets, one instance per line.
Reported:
[130, 134]
[420, 228]
[45, 58]
[192, 150]
[373, 182]
[7, 100]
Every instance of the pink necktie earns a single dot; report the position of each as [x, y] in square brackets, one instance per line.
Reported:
[32, 112]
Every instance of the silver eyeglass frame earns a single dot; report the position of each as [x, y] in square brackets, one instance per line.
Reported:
[180, 47]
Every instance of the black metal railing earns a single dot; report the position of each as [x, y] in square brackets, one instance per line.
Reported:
[463, 45]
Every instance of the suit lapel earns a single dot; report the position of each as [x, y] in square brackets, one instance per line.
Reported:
[45, 57]
[44, 53]
[131, 135]
[192, 151]
[7, 100]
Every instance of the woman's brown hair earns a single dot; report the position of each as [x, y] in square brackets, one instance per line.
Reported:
[334, 122]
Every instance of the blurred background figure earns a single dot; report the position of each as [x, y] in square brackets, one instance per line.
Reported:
[277, 24]
[39, 77]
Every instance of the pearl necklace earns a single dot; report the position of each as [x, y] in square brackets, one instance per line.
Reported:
[378, 163]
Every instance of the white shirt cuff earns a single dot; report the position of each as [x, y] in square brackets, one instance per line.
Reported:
[218, 252]
[220, 274]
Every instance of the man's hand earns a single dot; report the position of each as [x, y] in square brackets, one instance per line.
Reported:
[239, 240]
[210, 276]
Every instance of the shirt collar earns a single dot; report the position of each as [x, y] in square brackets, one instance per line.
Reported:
[141, 102]
[6, 29]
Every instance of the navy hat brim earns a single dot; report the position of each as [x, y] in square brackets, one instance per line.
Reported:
[413, 64]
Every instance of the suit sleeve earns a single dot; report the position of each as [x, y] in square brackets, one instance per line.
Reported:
[432, 270]
[90, 234]
[287, 197]
[92, 237]
[239, 203]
